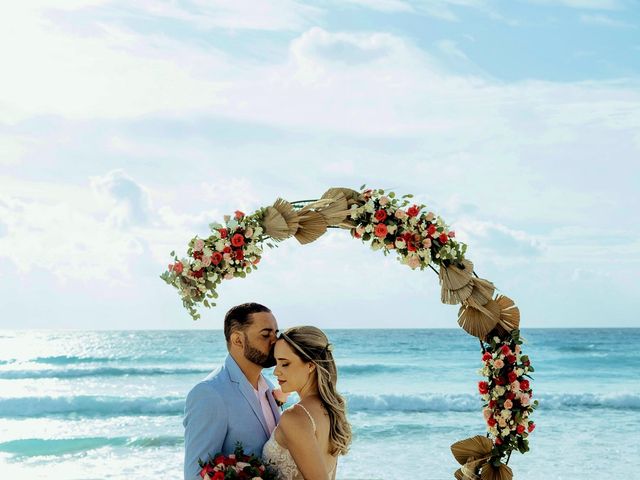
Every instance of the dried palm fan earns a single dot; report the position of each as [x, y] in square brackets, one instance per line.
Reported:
[464, 474]
[454, 277]
[275, 225]
[312, 226]
[482, 290]
[490, 472]
[288, 213]
[473, 447]
[509, 314]
[336, 211]
[351, 195]
[478, 320]
[453, 297]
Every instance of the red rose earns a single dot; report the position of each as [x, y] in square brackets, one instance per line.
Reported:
[178, 267]
[511, 395]
[492, 403]
[413, 211]
[197, 255]
[206, 470]
[498, 441]
[219, 459]
[381, 230]
[411, 247]
[443, 238]
[486, 357]
[239, 215]
[216, 258]
[500, 381]
[483, 387]
[520, 429]
[511, 358]
[355, 233]
[532, 427]
[524, 385]
[198, 273]
[380, 215]
[237, 240]
[505, 349]
[512, 376]
[491, 422]
[431, 229]
[226, 249]
[223, 232]
[239, 255]
[218, 476]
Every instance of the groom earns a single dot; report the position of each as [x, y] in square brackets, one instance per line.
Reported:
[234, 402]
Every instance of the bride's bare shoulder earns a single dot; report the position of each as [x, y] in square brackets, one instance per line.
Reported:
[295, 419]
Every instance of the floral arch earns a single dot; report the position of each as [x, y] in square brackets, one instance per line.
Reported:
[421, 240]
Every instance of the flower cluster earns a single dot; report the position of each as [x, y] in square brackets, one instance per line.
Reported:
[507, 394]
[417, 235]
[232, 250]
[238, 465]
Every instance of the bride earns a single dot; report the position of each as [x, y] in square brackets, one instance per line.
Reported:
[311, 434]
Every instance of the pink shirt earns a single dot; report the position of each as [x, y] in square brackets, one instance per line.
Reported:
[261, 395]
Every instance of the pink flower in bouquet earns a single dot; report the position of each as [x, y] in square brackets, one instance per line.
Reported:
[228, 276]
[206, 261]
[429, 216]
[248, 232]
[502, 422]
[238, 215]
[487, 412]
[452, 234]
[384, 201]
[515, 386]
[279, 396]
[198, 245]
[413, 262]
[426, 243]
[525, 400]
[226, 256]
[498, 363]
[400, 214]
[178, 267]
[360, 229]
[508, 404]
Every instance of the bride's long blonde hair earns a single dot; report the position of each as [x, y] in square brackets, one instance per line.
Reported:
[311, 345]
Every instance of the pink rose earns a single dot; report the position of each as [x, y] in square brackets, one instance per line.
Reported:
[400, 214]
[228, 276]
[279, 396]
[360, 229]
[426, 243]
[515, 386]
[502, 422]
[384, 200]
[498, 363]
[525, 400]
[413, 262]
[487, 412]
[199, 245]
[248, 232]
[508, 404]
[429, 216]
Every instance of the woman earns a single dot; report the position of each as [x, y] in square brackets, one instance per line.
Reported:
[312, 433]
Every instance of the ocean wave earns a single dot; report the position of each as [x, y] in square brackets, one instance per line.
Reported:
[105, 406]
[442, 402]
[60, 446]
[89, 406]
[67, 359]
[372, 368]
[97, 372]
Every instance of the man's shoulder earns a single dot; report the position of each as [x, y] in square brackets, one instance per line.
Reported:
[212, 384]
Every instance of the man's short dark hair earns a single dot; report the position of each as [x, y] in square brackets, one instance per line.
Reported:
[237, 318]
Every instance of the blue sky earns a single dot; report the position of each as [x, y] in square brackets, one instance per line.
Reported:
[126, 127]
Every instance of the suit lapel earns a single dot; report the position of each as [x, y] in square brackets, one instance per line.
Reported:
[236, 375]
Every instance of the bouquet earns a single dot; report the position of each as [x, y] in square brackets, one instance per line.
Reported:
[237, 466]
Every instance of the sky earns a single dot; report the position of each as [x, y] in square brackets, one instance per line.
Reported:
[127, 127]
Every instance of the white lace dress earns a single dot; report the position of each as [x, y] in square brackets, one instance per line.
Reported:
[282, 460]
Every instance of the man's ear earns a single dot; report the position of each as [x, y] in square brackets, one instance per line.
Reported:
[237, 339]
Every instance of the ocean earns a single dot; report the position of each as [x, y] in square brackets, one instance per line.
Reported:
[109, 404]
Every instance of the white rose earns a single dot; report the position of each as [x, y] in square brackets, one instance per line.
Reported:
[219, 245]
[505, 431]
[392, 229]
[368, 229]
[400, 244]
[384, 200]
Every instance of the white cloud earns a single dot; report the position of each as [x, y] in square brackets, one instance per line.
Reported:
[604, 21]
[383, 5]
[449, 47]
[131, 202]
[584, 4]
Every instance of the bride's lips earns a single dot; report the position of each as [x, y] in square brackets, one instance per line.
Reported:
[280, 382]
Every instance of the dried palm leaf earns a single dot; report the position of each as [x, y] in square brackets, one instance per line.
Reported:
[490, 472]
[312, 226]
[351, 195]
[454, 277]
[275, 225]
[509, 313]
[453, 297]
[288, 213]
[478, 320]
[464, 474]
[336, 212]
[473, 447]
[482, 290]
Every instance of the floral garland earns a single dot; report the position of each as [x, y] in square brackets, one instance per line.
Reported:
[507, 395]
[421, 240]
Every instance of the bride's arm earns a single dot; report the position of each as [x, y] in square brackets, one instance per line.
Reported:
[300, 440]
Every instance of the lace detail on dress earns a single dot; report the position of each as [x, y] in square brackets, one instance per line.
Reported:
[281, 458]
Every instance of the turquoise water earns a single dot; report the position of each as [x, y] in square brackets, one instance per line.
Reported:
[84, 405]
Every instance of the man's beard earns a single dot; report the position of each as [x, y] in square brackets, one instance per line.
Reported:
[265, 360]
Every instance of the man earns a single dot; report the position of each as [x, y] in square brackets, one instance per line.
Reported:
[234, 403]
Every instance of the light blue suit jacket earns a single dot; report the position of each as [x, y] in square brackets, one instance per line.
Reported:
[221, 410]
